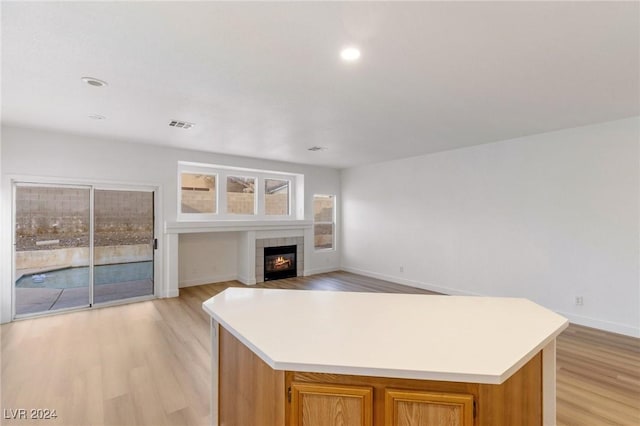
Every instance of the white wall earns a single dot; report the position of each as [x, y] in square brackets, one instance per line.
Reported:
[4, 245]
[546, 217]
[31, 152]
[207, 258]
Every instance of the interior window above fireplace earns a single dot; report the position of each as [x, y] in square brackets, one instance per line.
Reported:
[208, 192]
[241, 195]
[198, 193]
[276, 197]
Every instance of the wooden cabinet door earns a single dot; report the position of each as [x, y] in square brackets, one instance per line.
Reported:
[418, 408]
[331, 405]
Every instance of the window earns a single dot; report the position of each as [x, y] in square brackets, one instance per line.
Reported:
[241, 195]
[197, 193]
[324, 221]
[209, 192]
[276, 197]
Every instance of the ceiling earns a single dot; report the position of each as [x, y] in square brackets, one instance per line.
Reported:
[265, 79]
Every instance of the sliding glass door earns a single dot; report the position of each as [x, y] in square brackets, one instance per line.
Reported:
[123, 244]
[76, 246]
[52, 250]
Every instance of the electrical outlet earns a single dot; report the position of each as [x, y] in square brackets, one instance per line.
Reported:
[579, 301]
[402, 269]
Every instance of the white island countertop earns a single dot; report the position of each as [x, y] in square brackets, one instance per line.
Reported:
[450, 338]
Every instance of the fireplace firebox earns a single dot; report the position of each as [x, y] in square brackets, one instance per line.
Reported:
[280, 262]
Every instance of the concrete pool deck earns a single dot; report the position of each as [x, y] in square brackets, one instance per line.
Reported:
[34, 300]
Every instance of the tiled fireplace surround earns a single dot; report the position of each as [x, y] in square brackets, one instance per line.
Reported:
[254, 236]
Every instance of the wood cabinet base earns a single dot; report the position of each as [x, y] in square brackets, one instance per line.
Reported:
[252, 393]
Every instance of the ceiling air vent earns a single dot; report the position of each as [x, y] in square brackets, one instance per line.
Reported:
[181, 124]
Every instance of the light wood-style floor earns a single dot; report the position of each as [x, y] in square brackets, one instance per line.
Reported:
[148, 363]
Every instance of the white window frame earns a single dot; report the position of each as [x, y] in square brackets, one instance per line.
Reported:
[296, 192]
[332, 223]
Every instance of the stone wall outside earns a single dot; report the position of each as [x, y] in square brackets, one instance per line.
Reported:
[61, 216]
[79, 256]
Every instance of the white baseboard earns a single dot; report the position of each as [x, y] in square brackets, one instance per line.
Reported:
[171, 293]
[315, 271]
[246, 281]
[613, 327]
[207, 280]
[411, 283]
[576, 319]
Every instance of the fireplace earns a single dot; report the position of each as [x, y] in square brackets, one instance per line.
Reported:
[280, 262]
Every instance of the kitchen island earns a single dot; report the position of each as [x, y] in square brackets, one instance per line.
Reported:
[296, 357]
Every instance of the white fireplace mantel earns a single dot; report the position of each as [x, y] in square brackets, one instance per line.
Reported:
[249, 231]
[235, 225]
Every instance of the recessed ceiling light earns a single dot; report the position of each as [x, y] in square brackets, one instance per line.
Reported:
[350, 54]
[95, 82]
[317, 148]
[97, 117]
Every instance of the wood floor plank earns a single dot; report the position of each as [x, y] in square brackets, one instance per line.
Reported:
[148, 363]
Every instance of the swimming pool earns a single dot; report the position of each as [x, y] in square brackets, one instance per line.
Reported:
[79, 277]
